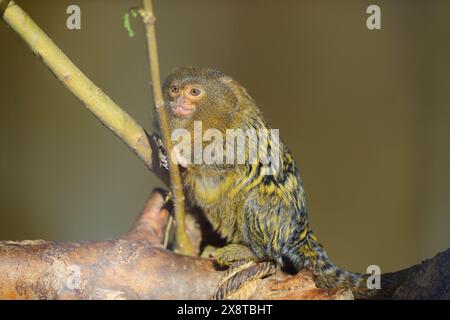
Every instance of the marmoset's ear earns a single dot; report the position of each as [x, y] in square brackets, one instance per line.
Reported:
[238, 90]
[226, 79]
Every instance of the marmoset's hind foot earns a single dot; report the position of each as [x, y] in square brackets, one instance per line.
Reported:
[232, 253]
[244, 269]
[238, 281]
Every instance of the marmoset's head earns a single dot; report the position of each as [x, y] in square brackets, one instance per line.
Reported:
[199, 93]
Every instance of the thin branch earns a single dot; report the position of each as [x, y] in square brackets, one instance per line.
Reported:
[95, 100]
[181, 238]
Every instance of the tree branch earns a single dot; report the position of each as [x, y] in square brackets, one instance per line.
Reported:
[95, 100]
[136, 266]
[181, 238]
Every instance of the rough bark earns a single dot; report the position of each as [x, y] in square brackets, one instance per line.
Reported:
[136, 266]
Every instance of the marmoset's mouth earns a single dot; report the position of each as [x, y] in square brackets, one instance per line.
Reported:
[183, 110]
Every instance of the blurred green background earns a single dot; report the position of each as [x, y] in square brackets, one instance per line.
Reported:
[366, 114]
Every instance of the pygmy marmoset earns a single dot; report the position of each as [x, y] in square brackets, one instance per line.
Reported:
[262, 216]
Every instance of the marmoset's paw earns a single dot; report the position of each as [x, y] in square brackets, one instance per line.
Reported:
[208, 252]
[232, 253]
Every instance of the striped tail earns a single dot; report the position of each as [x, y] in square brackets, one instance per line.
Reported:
[312, 256]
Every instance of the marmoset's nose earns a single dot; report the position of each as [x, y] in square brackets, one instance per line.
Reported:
[180, 100]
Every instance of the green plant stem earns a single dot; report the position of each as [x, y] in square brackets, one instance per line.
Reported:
[182, 239]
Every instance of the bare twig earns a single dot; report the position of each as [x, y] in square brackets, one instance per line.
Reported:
[95, 100]
[181, 238]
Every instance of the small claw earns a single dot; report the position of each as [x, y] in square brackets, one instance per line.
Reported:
[168, 197]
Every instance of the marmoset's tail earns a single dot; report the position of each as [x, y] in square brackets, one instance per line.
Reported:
[312, 256]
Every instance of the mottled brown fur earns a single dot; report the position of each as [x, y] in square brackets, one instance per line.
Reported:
[263, 217]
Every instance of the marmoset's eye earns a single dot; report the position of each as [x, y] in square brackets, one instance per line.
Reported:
[195, 92]
[174, 88]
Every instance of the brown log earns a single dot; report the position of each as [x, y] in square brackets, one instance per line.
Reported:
[136, 266]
